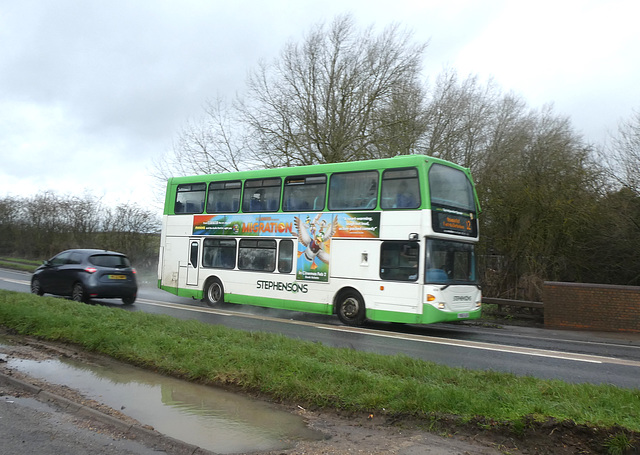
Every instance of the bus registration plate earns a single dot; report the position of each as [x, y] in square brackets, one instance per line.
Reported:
[463, 315]
[117, 277]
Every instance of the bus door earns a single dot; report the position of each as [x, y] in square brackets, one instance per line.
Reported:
[192, 265]
[399, 270]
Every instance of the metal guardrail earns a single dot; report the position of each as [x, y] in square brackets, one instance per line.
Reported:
[510, 302]
[532, 311]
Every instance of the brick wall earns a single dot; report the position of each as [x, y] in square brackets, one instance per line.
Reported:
[598, 307]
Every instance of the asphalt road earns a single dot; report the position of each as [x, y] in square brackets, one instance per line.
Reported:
[571, 356]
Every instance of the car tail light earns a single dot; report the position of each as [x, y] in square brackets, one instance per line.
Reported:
[91, 270]
[134, 270]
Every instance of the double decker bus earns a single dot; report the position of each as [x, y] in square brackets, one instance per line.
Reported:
[385, 240]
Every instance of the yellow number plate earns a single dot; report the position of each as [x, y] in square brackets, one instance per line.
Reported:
[117, 277]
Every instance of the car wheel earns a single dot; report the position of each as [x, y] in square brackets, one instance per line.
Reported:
[213, 292]
[350, 308]
[129, 300]
[36, 288]
[78, 293]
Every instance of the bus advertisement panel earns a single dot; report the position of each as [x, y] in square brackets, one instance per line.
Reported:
[314, 232]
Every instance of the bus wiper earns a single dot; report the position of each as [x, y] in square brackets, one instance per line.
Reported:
[459, 282]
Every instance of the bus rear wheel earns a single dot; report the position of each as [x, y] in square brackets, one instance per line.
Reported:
[213, 292]
[350, 308]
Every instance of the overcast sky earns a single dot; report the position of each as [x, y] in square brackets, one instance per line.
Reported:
[92, 91]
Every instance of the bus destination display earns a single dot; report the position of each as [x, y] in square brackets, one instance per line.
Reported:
[448, 221]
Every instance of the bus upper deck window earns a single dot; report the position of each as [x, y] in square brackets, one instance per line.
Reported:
[224, 197]
[190, 198]
[261, 195]
[353, 190]
[400, 189]
[306, 193]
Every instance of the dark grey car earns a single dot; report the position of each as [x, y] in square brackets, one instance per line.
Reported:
[85, 274]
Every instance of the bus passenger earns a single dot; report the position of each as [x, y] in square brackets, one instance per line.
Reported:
[405, 198]
[257, 201]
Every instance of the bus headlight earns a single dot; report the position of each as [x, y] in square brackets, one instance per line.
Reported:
[441, 306]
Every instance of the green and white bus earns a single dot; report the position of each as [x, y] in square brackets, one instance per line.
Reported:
[385, 240]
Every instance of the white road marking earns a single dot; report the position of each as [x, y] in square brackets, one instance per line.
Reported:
[26, 283]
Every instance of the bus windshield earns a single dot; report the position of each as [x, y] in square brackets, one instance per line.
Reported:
[450, 262]
[450, 187]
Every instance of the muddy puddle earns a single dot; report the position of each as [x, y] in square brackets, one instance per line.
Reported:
[210, 418]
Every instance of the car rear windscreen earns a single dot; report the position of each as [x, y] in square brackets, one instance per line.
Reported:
[110, 260]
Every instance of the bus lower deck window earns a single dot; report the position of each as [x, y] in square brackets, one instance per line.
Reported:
[258, 255]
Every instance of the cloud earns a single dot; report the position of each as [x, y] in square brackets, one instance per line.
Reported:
[575, 54]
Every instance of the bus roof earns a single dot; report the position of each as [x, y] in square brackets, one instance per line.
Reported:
[383, 163]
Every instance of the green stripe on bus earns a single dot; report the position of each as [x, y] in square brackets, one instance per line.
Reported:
[393, 316]
[431, 314]
[294, 305]
[181, 292]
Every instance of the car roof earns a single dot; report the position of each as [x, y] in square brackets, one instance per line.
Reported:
[90, 251]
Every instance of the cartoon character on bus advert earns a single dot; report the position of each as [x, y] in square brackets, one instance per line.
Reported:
[314, 236]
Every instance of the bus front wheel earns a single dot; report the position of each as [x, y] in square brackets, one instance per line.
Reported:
[350, 309]
[213, 292]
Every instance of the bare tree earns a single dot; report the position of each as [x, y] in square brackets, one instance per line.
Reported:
[623, 154]
[41, 218]
[80, 218]
[400, 122]
[9, 223]
[208, 145]
[462, 118]
[334, 97]
[131, 229]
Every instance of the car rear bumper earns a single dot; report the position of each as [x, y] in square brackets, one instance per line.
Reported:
[111, 291]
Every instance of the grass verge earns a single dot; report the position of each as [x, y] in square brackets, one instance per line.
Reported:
[311, 374]
[24, 265]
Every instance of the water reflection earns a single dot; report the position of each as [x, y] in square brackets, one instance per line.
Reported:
[211, 418]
